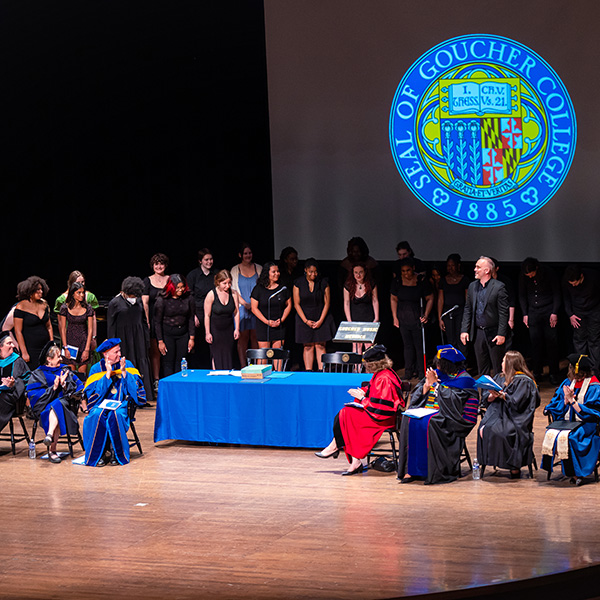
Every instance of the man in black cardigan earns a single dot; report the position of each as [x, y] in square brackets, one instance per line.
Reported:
[485, 320]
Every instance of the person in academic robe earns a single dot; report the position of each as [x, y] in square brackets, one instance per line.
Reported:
[126, 320]
[116, 381]
[573, 436]
[505, 436]
[359, 425]
[51, 390]
[14, 374]
[431, 444]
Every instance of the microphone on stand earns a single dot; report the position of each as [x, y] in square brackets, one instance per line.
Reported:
[450, 311]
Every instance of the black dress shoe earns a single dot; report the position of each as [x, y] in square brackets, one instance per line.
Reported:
[54, 458]
[515, 475]
[101, 463]
[334, 454]
[579, 481]
[358, 469]
[408, 479]
[113, 461]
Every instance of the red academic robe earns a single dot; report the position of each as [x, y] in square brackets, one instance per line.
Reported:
[362, 428]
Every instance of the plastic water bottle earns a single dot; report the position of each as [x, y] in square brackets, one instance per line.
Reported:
[184, 371]
[476, 470]
[31, 449]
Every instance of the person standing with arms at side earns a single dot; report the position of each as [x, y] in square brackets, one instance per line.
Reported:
[485, 320]
[452, 292]
[243, 280]
[153, 285]
[201, 281]
[539, 297]
[581, 291]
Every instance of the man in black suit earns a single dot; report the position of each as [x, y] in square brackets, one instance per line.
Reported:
[485, 320]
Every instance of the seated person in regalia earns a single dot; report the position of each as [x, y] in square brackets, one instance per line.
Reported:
[572, 437]
[431, 443]
[14, 374]
[54, 392]
[505, 436]
[111, 385]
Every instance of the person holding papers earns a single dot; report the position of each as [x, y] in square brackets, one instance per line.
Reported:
[505, 436]
[359, 425]
[111, 385]
[76, 326]
[431, 440]
[50, 389]
[572, 437]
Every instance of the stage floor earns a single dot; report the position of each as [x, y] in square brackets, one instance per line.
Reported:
[191, 521]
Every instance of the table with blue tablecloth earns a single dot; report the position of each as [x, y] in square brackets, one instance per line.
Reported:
[293, 410]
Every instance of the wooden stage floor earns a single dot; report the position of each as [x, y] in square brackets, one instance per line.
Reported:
[191, 521]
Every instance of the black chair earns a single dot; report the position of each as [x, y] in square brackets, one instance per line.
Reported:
[341, 362]
[13, 438]
[268, 356]
[465, 457]
[135, 440]
[393, 432]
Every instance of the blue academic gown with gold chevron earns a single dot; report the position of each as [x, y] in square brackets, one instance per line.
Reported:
[102, 424]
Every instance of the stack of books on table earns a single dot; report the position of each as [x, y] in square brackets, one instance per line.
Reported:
[256, 371]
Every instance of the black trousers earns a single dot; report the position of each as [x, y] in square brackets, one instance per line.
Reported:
[412, 339]
[544, 341]
[586, 338]
[176, 341]
[488, 354]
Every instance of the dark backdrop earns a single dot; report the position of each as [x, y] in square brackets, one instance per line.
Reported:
[129, 128]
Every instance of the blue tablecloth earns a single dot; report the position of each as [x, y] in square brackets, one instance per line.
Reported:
[296, 411]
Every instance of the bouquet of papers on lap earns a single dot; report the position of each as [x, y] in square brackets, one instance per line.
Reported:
[485, 382]
[419, 413]
[354, 404]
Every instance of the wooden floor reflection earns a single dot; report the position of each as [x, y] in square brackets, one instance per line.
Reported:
[192, 521]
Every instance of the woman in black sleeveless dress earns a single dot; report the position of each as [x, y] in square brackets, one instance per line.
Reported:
[33, 328]
[360, 300]
[222, 320]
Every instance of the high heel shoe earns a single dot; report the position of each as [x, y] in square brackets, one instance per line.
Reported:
[358, 469]
[47, 440]
[334, 454]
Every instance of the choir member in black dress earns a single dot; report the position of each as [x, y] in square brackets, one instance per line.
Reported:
[314, 323]
[539, 296]
[222, 320]
[289, 271]
[14, 374]
[153, 285]
[430, 446]
[505, 436]
[126, 319]
[51, 390]
[174, 314]
[404, 251]
[452, 292]
[360, 300]
[411, 301]
[32, 320]
[271, 305]
[76, 325]
[357, 252]
[201, 281]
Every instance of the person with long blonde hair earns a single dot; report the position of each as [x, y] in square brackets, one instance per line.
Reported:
[505, 436]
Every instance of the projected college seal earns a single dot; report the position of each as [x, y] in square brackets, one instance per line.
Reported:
[482, 130]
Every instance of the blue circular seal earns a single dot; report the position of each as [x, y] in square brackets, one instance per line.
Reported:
[482, 130]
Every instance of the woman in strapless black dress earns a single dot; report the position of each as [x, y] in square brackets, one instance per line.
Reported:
[360, 300]
[222, 320]
[33, 328]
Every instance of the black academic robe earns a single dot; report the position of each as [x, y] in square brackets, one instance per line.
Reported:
[446, 431]
[505, 437]
[128, 323]
[12, 400]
